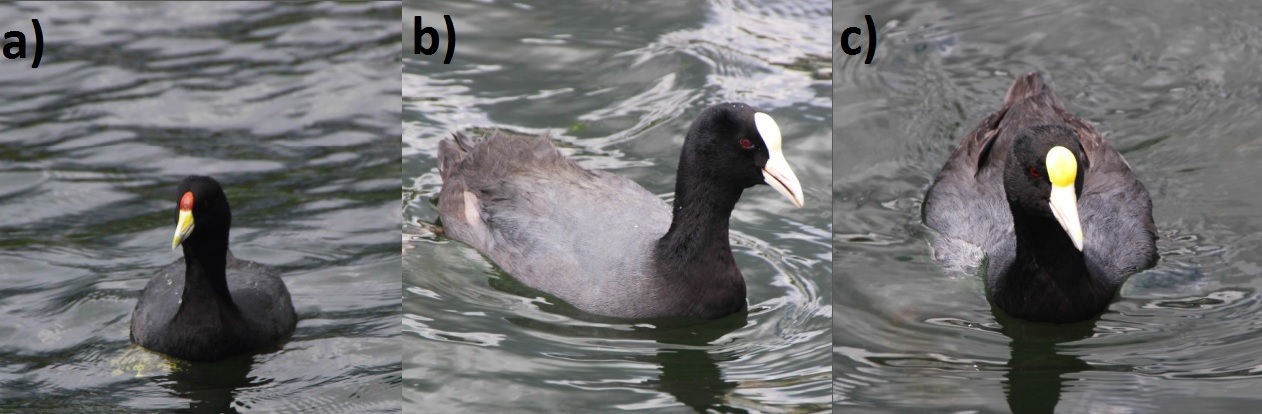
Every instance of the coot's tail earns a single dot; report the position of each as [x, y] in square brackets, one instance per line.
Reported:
[1025, 87]
[452, 152]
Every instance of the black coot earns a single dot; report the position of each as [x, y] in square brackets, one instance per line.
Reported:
[602, 243]
[210, 305]
[1059, 214]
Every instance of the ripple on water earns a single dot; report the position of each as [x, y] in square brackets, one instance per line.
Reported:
[1171, 95]
[617, 93]
[140, 95]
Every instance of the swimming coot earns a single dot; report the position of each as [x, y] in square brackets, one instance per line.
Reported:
[210, 305]
[1059, 214]
[602, 243]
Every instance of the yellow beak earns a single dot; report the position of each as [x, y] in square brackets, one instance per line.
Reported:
[1062, 170]
[183, 228]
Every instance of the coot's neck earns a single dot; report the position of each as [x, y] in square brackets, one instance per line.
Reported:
[205, 270]
[1049, 279]
[700, 215]
[1043, 243]
[695, 255]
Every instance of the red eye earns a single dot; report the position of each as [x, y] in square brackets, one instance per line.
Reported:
[746, 143]
[1034, 172]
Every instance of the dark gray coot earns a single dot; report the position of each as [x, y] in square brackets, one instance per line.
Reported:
[602, 243]
[210, 305]
[1056, 209]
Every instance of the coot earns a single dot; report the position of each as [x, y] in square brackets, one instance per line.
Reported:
[210, 305]
[602, 243]
[1059, 214]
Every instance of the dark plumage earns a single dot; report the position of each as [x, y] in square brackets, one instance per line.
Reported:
[995, 192]
[601, 242]
[210, 305]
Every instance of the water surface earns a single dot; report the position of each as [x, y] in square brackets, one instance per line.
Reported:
[617, 85]
[1174, 87]
[294, 108]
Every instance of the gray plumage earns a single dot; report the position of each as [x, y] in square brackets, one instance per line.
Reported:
[967, 202]
[598, 241]
[547, 221]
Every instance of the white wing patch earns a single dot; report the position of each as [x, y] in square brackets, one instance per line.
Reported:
[471, 215]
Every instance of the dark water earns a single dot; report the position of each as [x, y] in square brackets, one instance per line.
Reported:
[293, 108]
[1174, 86]
[617, 85]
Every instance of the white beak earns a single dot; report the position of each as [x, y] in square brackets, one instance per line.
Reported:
[777, 172]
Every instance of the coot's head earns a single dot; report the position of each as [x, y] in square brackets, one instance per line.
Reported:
[1043, 176]
[735, 143]
[203, 216]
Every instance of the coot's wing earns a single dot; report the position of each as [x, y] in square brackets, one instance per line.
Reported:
[553, 225]
[966, 201]
[1115, 209]
[160, 299]
[260, 294]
